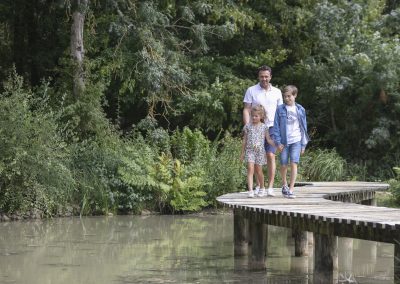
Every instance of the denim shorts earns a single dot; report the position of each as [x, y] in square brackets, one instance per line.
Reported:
[292, 150]
[269, 148]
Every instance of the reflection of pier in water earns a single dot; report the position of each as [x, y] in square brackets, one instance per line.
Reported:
[314, 210]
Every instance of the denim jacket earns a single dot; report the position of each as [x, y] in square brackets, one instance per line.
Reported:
[279, 130]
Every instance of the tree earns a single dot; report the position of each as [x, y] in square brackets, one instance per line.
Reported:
[77, 48]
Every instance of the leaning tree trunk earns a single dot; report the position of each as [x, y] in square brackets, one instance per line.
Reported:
[77, 50]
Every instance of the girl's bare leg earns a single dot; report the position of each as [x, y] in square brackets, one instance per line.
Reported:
[260, 175]
[250, 174]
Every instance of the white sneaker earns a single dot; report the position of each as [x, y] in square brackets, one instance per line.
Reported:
[271, 192]
[251, 194]
[256, 190]
[261, 192]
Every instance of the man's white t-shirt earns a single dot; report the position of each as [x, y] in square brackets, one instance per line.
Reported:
[269, 99]
[293, 132]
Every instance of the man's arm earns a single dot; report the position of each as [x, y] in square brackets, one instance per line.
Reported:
[243, 146]
[280, 99]
[246, 113]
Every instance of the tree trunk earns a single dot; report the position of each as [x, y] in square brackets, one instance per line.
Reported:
[33, 37]
[19, 45]
[77, 50]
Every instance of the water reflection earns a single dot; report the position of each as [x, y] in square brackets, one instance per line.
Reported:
[166, 249]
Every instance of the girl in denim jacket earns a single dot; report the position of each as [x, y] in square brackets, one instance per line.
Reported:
[290, 132]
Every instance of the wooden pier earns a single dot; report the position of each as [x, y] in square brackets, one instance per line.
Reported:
[327, 209]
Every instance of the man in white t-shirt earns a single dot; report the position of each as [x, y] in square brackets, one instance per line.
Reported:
[269, 97]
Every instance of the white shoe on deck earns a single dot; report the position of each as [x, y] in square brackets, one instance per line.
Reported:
[271, 192]
[261, 192]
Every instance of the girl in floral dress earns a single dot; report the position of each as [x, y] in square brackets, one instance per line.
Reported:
[253, 151]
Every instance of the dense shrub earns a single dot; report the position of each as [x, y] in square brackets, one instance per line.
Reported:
[184, 172]
[323, 165]
[395, 185]
[34, 160]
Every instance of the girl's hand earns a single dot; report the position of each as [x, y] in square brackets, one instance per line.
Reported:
[280, 148]
[302, 151]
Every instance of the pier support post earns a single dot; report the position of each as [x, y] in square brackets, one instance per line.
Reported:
[310, 238]
[396, 259]
[239, 233]
[325, 258]
[300, 242]
[258, 243]
[370, 202]
[346, 257]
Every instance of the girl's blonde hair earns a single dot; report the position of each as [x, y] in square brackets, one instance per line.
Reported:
[260, 110]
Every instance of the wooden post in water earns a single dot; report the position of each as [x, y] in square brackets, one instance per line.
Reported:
[267, 239]
[396, 261]
[310, 238]
[239, 233]
[258, 243]
[345, 248]
[370, 202]
[300, 242]
[325, 258]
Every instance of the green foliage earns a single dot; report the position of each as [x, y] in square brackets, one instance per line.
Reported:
[188, 145]
[94, 165]
[395, 185]
[185, 65]
[163, 180]
[350, 80]
[34, 160]
[186, 177]
[186, 191]
[226, 173]
[323, 165]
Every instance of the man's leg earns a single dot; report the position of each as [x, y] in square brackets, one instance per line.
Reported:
[271, 166]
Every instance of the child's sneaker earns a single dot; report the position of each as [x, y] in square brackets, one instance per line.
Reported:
[271, 192]
[261, 192]
[256, 190]
[290, 195]
[285, 190]
[251, 194]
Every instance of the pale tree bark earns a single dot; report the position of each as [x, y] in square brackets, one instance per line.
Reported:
[77, 49]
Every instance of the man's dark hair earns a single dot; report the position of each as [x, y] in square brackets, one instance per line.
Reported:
[264, 68]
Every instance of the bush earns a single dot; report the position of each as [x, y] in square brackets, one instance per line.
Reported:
[185, 177]
[395, 185]
[322, 165]
[34, 172]
[225, 171]
[94, 165]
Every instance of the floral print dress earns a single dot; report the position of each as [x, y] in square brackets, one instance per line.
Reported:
[255, 150]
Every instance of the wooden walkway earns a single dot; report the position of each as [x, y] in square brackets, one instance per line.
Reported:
[328, 209]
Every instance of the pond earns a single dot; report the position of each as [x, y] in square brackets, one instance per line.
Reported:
[165, 249]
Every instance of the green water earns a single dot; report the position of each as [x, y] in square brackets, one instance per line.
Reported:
[165, 249]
